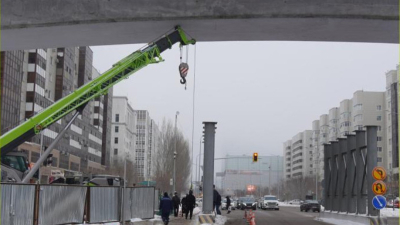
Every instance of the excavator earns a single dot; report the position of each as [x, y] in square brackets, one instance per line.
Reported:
[77, 100]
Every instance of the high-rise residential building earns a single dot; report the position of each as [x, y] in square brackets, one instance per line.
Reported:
[300, 162]
[392, 126]
[12, 76]
[51, 74]
[123, 130]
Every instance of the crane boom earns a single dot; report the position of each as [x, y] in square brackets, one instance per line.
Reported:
[95, 88]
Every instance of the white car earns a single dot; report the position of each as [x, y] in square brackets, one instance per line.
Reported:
[270, 202]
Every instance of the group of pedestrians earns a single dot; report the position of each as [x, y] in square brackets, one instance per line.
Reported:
[217, 201]
[167, 205]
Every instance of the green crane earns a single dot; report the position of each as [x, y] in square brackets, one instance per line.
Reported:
[97, 87]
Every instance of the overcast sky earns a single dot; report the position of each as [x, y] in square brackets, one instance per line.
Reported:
[260, 93]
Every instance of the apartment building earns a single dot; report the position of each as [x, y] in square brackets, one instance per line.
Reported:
[363, 109]
[298, 155]
[123, 131]
[44, 76]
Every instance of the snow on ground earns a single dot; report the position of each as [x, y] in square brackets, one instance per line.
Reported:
[156, 218]
[220, 220]
[196, 211]
[287, 204]
[339, 222]
[388, 212]
[136, 220]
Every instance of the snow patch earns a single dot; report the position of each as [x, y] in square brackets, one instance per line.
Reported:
[388, 212]
[220, 220]
[284, 204]
[339, 222]
[136, 220]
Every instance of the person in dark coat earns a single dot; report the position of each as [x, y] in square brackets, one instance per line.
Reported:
[166, 206]
[184, 206]
[217, 201]
[177, 201]
[228, 204]
[190, 203]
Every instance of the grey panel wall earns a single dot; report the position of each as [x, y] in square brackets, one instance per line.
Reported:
[61, 204]
[104, 204]
[17, 204]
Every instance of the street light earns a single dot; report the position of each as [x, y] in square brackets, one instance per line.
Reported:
[175, 153]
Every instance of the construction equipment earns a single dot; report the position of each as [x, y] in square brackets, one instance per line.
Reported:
[77, 100]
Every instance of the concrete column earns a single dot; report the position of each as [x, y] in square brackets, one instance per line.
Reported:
[342, 174]
[351, 174]
[360, 170]
[209, 144]
[327, 177]
[372, 161]
[335, 172]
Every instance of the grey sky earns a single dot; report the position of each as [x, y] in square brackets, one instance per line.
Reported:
[260, 93]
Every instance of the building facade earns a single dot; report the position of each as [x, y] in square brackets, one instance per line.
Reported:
[300, 149]
[240, 171]
[44, 76]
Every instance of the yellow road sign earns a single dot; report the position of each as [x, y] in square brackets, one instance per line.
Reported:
[379, 173]
[379, 187]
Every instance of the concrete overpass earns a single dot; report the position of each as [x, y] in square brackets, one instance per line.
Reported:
[27, 24]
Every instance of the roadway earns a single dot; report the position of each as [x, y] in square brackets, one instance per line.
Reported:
[285, 216]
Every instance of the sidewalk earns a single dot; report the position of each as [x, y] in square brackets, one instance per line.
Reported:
[173, 221]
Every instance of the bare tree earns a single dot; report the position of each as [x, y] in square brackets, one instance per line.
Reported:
[131, 171]
[298, 188]
[164, 160]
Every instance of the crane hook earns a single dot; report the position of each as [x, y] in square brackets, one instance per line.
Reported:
[183, 70]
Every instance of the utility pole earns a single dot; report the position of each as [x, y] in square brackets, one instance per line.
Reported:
[175, 152]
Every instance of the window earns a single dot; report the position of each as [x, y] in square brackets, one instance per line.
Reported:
[379, 107]
[358, 117]
[116, 117]
[390, 141]
[379, 159]
[115, 151]
[379, 128]
[379, 138]
[358, 107]
[379, 149]
[116, 140]
[116, 129]
[379, 118]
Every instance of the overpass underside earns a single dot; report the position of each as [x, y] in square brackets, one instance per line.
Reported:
[27, 24]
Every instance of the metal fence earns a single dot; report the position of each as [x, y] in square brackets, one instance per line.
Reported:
[348, 166]
[26, 204]
[104, 204]
[17, 204]
[61, 204]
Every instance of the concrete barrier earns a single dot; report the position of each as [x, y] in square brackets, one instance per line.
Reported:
[206, 218]
[342, 218]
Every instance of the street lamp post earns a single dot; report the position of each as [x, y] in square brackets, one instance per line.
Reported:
[175, 152]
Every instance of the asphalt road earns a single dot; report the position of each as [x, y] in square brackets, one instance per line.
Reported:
[285, 216]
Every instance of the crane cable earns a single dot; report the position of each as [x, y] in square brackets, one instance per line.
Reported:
[194, 98]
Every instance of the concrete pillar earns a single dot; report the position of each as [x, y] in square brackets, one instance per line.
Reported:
[209, 145]
[360, 170]
[351, 174]
[372, 160]
[335, 171]
[342, 174]
[327, 177]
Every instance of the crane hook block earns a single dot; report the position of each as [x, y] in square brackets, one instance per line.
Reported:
[183, 70]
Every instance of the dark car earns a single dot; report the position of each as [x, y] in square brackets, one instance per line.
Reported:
[310, 205]
[247, 203]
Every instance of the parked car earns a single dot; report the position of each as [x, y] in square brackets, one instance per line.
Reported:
[234, 204]
[296, 202]
[270, 202]
[310, 205]
[247, 203]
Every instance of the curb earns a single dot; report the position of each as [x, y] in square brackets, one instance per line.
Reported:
[206, 219]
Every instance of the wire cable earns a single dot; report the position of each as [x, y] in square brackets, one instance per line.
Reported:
[194, 98]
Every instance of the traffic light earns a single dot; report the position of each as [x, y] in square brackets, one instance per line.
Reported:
[255, 157]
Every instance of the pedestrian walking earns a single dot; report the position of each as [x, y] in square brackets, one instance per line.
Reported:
[190, 203]
[216, 201]
[177, 201]
[184, 206]
[228, 204]
[166, 206]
